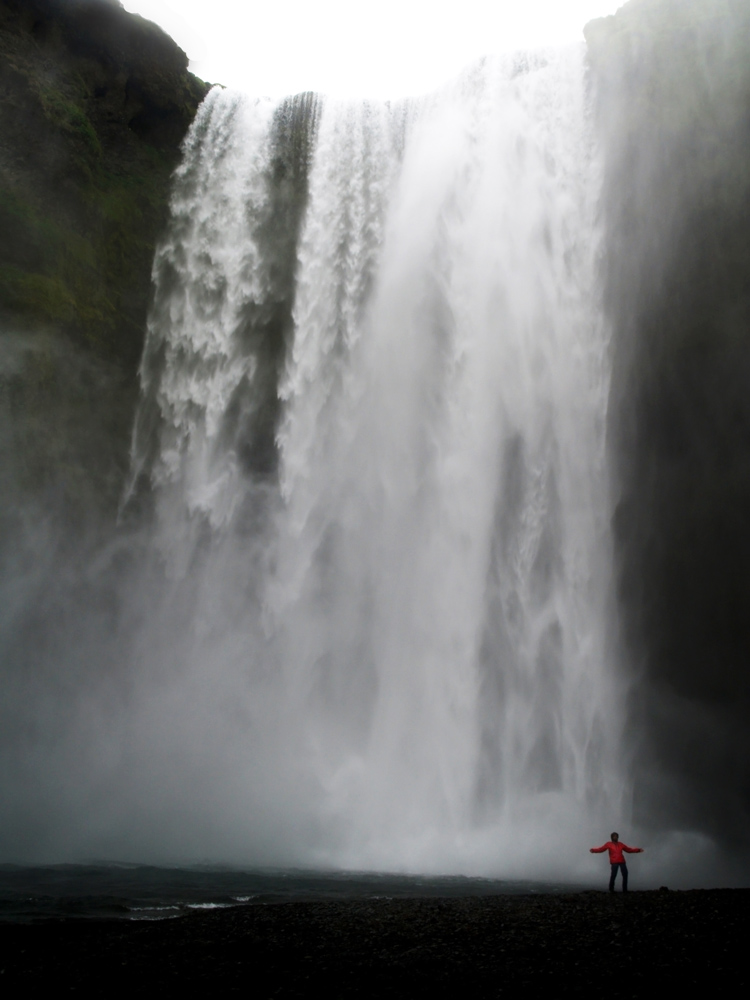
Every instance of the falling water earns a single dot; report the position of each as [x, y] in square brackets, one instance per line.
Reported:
[387, 534]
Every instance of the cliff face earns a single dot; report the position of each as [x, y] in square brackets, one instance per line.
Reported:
[673, 81]
[93, 105]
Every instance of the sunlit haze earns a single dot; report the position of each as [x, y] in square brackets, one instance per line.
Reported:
[395, 48]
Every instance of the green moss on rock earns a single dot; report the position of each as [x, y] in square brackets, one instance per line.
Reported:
[94, 103]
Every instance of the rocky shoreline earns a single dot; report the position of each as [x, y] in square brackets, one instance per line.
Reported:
[576, 944]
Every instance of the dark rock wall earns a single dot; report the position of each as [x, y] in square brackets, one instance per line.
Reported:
[673, 84]
[94, 103]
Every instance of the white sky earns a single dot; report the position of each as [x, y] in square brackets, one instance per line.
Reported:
[349, 48]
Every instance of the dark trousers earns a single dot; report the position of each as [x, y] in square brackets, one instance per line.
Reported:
[623, 871]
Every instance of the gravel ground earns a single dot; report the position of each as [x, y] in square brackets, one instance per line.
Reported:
[579, 944]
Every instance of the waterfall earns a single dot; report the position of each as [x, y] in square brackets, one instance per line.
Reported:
[373, 423]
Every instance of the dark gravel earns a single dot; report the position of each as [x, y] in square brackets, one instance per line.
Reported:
[580, 944]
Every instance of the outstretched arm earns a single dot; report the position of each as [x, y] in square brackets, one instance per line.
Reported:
[598, 850]
[631, 850]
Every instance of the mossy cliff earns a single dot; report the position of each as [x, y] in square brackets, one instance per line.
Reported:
[94, 103]
[673, 85]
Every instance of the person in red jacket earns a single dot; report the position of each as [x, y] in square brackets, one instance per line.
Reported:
[616, 860]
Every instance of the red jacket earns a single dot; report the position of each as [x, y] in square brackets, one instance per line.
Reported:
[615, 851]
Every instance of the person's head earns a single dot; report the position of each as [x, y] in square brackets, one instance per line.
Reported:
[614, 837]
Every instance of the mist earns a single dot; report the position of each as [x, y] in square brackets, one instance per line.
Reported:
[430, 552]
